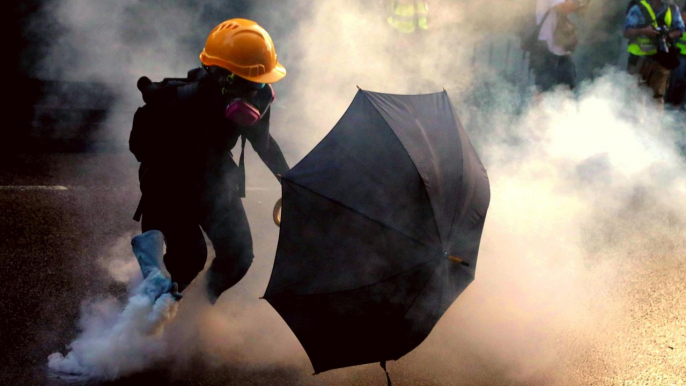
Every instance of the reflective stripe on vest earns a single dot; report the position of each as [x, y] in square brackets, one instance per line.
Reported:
[422, 9]
[403, 18]
[681, 43]
[643, 45]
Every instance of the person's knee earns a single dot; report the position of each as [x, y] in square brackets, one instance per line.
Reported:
[184, 263]
[226, 271]
[235, 265]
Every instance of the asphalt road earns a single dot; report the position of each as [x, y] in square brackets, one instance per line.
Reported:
[62, 215]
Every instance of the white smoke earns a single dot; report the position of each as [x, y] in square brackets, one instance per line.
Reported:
[116, 339]
[584, 212]
[119, 265]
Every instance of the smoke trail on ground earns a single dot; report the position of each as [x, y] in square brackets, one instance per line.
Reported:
[117, 340]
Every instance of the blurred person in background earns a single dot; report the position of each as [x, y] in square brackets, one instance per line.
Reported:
[408, 21]
[183, 137]
[551, 59]
[408, 16]
[676, 93]
[649, 25]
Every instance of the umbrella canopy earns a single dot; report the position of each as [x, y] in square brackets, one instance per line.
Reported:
[375, 222]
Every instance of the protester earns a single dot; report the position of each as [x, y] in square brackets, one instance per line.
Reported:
[648, 24]
[551, 59]
[183, 137]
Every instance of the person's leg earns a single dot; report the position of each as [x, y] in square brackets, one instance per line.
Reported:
[656, 77]
[544, 66]
[566, 71]
[186, 249]
[226, 224]
[677, 84]
[634, 63]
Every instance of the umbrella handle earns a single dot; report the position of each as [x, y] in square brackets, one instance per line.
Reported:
[277, 213]
[458, 260]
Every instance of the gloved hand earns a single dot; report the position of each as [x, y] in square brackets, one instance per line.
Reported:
[156, 284]
[148, 249]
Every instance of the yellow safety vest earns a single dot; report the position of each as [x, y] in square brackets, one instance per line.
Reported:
[681, 43]
[643, 45]
[408, 17]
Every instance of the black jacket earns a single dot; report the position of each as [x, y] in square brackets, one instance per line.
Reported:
[187, 141]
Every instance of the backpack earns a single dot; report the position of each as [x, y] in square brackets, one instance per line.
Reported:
[146, 140]
[565, 33]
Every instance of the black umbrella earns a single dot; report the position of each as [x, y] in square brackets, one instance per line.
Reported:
[380, 230]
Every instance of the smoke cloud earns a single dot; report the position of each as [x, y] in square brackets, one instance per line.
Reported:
[116, 341]
[582, 259]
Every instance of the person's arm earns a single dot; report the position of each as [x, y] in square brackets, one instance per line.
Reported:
[266, 147]
[634, 18]
[633, 33]
[566, 8]
[677, 25]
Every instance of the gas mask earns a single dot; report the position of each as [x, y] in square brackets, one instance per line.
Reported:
[242, 113]
[246, 101]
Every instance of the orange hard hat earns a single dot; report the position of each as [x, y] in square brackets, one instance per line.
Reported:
[244, 48]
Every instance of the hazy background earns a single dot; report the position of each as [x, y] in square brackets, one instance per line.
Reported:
[582, 261]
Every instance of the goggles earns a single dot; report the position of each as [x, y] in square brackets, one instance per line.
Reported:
[227, 79]
[245, 107]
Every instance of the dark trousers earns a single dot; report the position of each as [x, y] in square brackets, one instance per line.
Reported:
[676, 94]
[550, 69]
[182, 219]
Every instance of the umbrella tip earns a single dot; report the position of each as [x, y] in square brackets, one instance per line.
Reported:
[358, 87]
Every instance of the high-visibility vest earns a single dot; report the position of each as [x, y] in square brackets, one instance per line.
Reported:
[422, 9]
[643, 45]
[681, 43]
[407, 18]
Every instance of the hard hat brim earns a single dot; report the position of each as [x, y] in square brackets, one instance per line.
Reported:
[273, 76]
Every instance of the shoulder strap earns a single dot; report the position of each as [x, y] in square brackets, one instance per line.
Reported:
[241, 168]
[648, 13]
[388, 377]
[544, 18]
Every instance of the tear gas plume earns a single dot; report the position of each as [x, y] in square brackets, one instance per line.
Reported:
[582, 258]
[116, 341]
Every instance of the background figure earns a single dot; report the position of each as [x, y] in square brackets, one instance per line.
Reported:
[407, 16]
[676, 94]
[409, 21]
[551, 58]
[643, 21]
